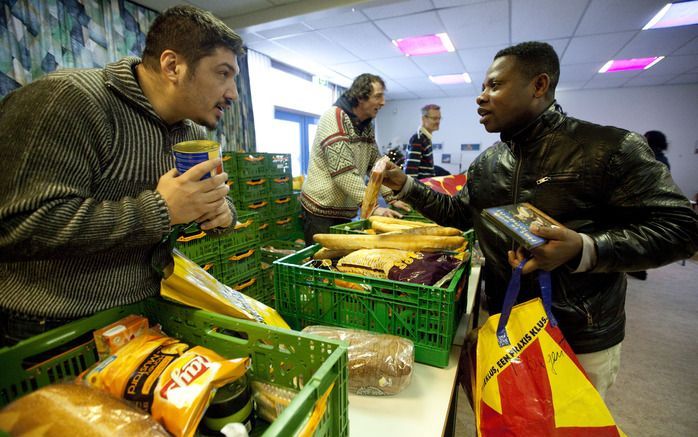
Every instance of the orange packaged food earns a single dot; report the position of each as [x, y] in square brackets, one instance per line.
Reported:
[113, 337]
[167, 378]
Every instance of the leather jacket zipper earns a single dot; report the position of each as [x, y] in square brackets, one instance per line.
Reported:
[568, 177]
[590, 320]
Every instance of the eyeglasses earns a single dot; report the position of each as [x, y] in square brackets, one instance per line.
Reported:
[433, 118]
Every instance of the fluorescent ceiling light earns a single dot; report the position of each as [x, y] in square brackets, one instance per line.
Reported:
[674, 14]
[629, 64]
[450, 79]
[425, 44]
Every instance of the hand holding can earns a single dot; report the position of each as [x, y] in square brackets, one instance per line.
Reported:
[189, 153]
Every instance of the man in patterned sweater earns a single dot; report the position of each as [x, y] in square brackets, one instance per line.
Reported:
[88, 189]
[420, 157]
[343, 153]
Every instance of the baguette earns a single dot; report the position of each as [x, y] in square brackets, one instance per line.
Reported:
[410, 223]
[431, 230]
[414, 243]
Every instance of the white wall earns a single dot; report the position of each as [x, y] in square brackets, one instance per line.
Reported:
[671, 109]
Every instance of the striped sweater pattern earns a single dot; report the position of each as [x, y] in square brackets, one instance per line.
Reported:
[81, 225]
[340, 159]
[420, 158]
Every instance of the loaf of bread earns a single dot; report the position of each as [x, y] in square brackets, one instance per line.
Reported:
[76, 411]
[379, 364]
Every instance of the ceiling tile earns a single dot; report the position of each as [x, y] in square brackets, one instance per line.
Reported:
[284, 31]
[533, 20]
[675, 65]
[393, 86]
[337, 19]
[400, 96]
[442, 63]
[396, 9]
[397, 68]
[610, 80]
[318, 48]
[226, 8]
[570, 86]
[430, 94]
[418, 83]
[451, 3]
[363, 40]
[649, 80]
[478, 25]
[353, 69]
[411, 25]
[250, 37]
[479, 59]
[658, 42]
[606, 16]
[685, 78]
[690, 48]
[579, 72]
[595, 48]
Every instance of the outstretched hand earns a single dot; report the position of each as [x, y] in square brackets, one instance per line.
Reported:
[563, 245]
[393, 177]
[386, 212]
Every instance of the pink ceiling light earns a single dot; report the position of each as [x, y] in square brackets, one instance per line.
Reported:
[673, 15]
[450, 79]
[629, 64]
[425, 44]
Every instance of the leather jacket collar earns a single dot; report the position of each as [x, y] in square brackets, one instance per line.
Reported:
[548, 120]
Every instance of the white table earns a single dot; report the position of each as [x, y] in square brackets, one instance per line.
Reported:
[421, 410]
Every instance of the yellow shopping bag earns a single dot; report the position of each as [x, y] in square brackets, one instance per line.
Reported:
[528, 382]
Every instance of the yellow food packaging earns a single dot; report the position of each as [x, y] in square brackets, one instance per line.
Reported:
[189, 284]
[165, 377]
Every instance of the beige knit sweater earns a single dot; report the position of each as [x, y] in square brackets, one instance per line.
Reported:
[340, 159]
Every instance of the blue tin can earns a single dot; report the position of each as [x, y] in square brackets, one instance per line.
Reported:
[189, 153]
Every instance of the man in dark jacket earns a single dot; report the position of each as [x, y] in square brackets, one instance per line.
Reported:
[620, 208]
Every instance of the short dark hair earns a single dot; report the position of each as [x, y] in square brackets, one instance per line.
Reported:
[361, 88]
[656, 140]
[535, 58]
[191, 32]
[429, 107]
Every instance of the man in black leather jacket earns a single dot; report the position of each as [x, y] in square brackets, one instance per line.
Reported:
[620, 208]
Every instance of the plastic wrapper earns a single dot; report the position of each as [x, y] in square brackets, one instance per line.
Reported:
[270, 399]
[165, 377]
[76, 411]
[428, 269]
[373, 187]
[375, 262]
[189, 284]
[379, 364]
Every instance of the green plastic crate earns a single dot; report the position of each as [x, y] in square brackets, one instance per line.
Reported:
[266, 231]
[427, 315]
[286, 227]
[260, 206]
[290, 359]
[236, 266]
[252, 165]
[269, 256]
[280, 185]
[250, 189]
[279, 164]
[244, 234]
[230, 164]
[282, 205]
[197, 245]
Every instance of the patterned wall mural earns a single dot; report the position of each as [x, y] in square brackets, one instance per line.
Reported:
[40, 36]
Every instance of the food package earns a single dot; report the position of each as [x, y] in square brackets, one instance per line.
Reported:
[373, 187]
[427, 269]
[165, 377]
[113, 337]
[375, 262]
[270, 399]
[76, 411]
[187, 283]
[379, 364]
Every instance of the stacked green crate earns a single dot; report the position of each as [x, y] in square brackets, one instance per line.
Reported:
[199, 247]
[240, 257]
[230, 167]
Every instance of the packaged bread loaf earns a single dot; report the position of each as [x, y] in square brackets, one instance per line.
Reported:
[379, 364]
[76, 411]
